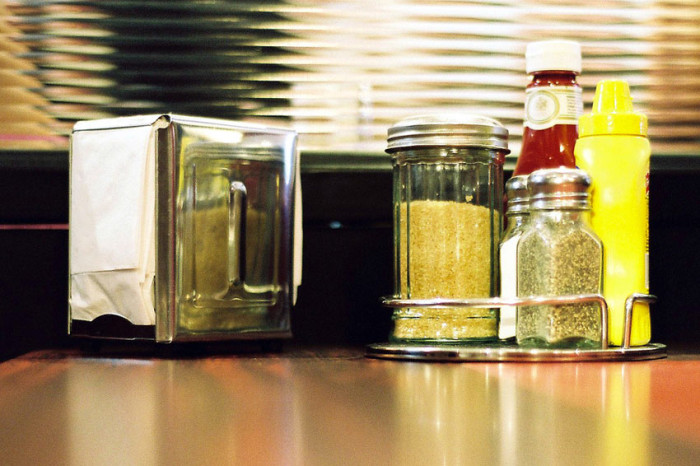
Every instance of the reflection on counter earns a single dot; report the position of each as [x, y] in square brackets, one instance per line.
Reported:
[442, 411]
[317, 408]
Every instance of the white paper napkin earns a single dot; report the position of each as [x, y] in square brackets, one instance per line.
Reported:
[112, 224]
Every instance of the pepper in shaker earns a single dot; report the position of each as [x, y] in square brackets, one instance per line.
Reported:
[559, 255]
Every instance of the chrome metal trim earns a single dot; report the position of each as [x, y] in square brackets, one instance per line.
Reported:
[518, 301]
[495, 353]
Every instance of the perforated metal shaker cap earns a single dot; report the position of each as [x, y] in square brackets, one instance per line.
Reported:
[448, 130]
[554, 188]
[517, 194]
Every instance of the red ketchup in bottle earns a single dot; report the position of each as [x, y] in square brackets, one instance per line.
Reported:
[553, 105]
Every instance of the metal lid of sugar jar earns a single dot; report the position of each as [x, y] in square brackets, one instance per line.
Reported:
[559, 188]
[448, 130]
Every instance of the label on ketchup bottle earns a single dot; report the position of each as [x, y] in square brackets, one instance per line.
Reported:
[552, 105]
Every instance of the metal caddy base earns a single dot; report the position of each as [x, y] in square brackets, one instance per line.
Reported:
[505, 351]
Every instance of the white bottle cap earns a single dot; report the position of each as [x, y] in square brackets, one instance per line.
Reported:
[553, 55]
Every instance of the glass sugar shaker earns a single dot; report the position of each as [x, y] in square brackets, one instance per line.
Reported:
[517, 215]
[448, 203]
[558, 255]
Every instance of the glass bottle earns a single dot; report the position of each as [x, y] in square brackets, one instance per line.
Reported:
[559, 255]
[517, 214]
[447, 200]
[553, 104]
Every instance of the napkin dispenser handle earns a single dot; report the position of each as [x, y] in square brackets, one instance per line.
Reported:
[238, 196]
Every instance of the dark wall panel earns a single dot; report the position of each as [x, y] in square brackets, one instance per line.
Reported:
[347, 258]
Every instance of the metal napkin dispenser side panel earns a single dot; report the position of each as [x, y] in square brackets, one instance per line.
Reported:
[217, 250]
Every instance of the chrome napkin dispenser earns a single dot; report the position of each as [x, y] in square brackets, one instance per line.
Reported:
[183, 229]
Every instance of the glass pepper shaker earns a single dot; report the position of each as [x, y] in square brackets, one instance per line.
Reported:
[448, 203]
[517, 215]
[558, 255]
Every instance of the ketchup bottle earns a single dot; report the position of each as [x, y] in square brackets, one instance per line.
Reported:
[553, 104]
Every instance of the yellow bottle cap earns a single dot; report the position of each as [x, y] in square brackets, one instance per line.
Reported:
[612, 112]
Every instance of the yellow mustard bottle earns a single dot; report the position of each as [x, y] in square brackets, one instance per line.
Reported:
[614, 149]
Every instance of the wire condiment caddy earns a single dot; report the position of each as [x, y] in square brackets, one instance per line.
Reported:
[508, 351]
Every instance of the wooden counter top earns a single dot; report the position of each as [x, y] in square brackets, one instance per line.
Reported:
[339, 408]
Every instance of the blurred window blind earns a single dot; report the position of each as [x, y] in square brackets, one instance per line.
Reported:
[341, 72]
